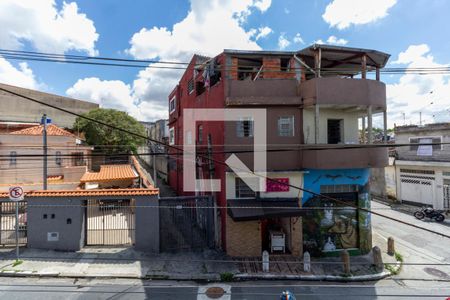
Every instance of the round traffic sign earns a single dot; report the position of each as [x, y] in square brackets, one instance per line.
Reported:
[16, 193]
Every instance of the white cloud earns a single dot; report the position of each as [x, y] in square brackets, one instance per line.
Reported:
[319, 41]
[298, 39]
[48, 29]
[262, 5]
[335, 41]
[22, 76]
[209, 27]
[343, 13]
[108, 93]
[283, 42]
[413, 93]
[261, 32]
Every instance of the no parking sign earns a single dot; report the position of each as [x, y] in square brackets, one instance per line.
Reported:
[16, 193]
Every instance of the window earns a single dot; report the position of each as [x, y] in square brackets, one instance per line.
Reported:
[172, 136]
[200, 133]
[286, 126]
[78, 159]
[244, 127]
[58, 159]
[190, 86]
[425, 140]
[13, 158]
[243, 190]
[284, 64]
[172, 105]
[335, 131]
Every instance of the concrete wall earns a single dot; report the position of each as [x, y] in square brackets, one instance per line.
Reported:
[14, 108]
[147, 224]
[378, 182]
[50, 215]
[389, 173]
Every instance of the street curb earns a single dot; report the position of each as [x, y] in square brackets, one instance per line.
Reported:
[370, 277]
[212, 277]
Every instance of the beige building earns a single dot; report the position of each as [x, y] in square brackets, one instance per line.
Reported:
[17, 109]
[68, 158]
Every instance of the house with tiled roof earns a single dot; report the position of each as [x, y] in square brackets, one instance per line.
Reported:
[68, 159]
[111, 176]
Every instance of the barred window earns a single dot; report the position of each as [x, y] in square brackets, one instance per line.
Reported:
[244, 127]
[338, 188]
[172, 105]
[413, 171]
[286, 126]
[190, 86]
[58, 159]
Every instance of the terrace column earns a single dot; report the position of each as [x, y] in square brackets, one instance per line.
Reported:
[369, 125]
[317, 61]
[363, 66]
[363, 139]
[385, 126]
[377, 72]
[316, 123]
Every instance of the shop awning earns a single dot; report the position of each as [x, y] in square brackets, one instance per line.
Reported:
[256, 209]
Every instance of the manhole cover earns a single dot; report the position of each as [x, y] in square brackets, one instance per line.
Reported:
[215, 292]
[437, 273]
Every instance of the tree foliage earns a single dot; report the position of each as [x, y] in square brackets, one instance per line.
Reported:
[109, 139]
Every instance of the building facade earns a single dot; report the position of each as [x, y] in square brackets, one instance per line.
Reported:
[423, 171]
[314, 100]
[22, 163]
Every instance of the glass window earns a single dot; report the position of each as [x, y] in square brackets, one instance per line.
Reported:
[244, 127]
[172, 136]
[13, 158]
[172, 105]
[286, 126]
[58, 159]
[200, 133]
[190, 86]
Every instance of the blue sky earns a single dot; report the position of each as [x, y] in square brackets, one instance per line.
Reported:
[412, 31]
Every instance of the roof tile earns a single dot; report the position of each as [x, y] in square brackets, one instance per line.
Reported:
[84, 193]
[52, 129]
[110, 172]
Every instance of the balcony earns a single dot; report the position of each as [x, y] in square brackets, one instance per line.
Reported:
[344, 91]
[262, 92]
[344, 158]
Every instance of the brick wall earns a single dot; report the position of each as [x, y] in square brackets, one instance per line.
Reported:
[243, 238]
[272, 65]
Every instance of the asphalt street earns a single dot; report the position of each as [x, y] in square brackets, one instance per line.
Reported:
[21, 288]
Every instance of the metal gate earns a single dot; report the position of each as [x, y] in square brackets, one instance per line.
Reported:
[8, 223]
[110, 222]
[186, 223]
[446, 196]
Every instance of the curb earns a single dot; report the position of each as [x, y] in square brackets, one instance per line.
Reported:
[370, 277]
[212, 277]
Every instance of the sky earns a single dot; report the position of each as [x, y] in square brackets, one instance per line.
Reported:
[414, 32]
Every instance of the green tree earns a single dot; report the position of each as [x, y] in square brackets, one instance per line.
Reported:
[108, 139]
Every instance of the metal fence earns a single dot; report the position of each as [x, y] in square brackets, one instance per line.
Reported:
[186, 223]
[110, 222]
[8, 223]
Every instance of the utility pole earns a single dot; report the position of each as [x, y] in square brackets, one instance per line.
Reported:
[420, 118]
[44, 137]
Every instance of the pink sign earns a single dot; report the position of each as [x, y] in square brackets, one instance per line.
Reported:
[282, 185]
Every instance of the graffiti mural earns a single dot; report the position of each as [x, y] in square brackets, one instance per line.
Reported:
[336, 224]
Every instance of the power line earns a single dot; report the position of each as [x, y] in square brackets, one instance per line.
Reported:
[219, 162]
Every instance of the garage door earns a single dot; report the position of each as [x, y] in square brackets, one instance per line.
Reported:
[417, 188]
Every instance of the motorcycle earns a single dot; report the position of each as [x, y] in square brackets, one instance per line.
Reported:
[428, 212]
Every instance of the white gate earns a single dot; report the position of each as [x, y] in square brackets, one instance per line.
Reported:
[417, 188]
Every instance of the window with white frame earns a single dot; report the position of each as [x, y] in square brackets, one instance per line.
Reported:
[243, 190]
[172, 105]
[286, 126]
[244, 127]
[172, 136]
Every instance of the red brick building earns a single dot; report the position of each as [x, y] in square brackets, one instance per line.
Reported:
[311, 96]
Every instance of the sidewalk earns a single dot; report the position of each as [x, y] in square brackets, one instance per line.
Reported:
[202, 266]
